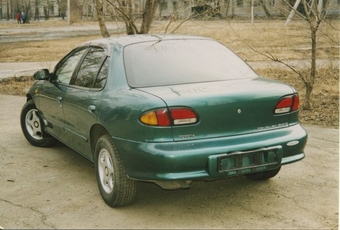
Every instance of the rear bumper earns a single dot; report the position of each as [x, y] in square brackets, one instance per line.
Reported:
[199, 159]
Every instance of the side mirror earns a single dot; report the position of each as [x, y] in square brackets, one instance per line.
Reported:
[43, 74]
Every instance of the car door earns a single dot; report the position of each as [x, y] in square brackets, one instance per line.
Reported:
[51, 96]
[83, 98]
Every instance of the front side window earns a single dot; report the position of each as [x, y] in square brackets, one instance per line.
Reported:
[65, 71]
[90, 68]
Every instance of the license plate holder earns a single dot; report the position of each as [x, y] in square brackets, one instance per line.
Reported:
[243, 162]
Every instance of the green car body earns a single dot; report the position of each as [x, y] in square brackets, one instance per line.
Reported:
[235, 126]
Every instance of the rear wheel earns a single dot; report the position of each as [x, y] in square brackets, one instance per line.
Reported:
[264, 175]
[33, 127]
[114, 185]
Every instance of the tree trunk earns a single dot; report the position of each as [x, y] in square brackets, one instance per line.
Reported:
[73, 11]
[128, 19]
[148, 15]
[8, 11]
[307, 104]
[27, 11]
[227, 6]
[130, 29]
[101, 19]
[36, 11]
[310, 80]
[264, 7]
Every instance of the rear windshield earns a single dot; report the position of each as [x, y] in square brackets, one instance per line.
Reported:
[169, 62]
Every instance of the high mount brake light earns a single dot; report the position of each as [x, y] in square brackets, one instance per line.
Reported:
[288, 104]
[174, 116]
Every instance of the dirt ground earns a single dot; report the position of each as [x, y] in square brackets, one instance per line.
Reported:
[55, 187]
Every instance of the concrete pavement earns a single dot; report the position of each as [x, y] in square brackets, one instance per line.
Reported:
[8, 70]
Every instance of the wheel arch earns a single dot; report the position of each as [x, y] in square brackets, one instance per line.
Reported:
[28, 97]
[96, 132]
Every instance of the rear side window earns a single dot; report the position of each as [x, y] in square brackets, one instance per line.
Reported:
[167, 62]
[102, 76]
[90, 68]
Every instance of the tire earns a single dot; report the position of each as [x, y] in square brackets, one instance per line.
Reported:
[263, 175]
[115, 187]
[32, 126]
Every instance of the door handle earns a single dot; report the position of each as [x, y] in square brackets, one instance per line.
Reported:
[92, 108]
[59, 98]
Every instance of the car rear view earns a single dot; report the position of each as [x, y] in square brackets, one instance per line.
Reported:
[225, 119]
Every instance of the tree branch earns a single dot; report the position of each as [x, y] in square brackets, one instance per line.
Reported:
[271, 57]
[126, 18]
[181, 23]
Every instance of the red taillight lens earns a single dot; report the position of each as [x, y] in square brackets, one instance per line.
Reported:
[183, 116]
[288, 104]
[162, 117]
[157, 117]
[296, 104]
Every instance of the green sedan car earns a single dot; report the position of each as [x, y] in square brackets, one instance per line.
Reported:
[166, 109]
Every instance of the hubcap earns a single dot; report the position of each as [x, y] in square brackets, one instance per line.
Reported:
[106, 171]
[33, 125]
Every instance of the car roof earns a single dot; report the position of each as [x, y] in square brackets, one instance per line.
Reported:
[133, 39]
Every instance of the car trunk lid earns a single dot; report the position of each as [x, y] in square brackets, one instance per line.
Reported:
[226, 108]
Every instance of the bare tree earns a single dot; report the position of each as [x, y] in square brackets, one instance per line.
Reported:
[101, 18]
[314, 15]
[36, 10]
[147, 14]
[27, 9]
[265, 9]
[130, 15]
[8, 10]
[62, 6]
[73, 11]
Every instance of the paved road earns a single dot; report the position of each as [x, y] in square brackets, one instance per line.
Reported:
[37, 33]
[56, 188]
[18, 69]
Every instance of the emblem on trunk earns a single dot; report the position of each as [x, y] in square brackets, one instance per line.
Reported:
[239, 111]
[186, 136]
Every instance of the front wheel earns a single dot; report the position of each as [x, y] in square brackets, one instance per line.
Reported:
[264, 175]
[114, 185]
[32, 126]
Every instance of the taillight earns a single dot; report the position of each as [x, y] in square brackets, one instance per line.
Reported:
[287, 104]
[296, 104]
[174, 116]
[183, 116]
[157, 117]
